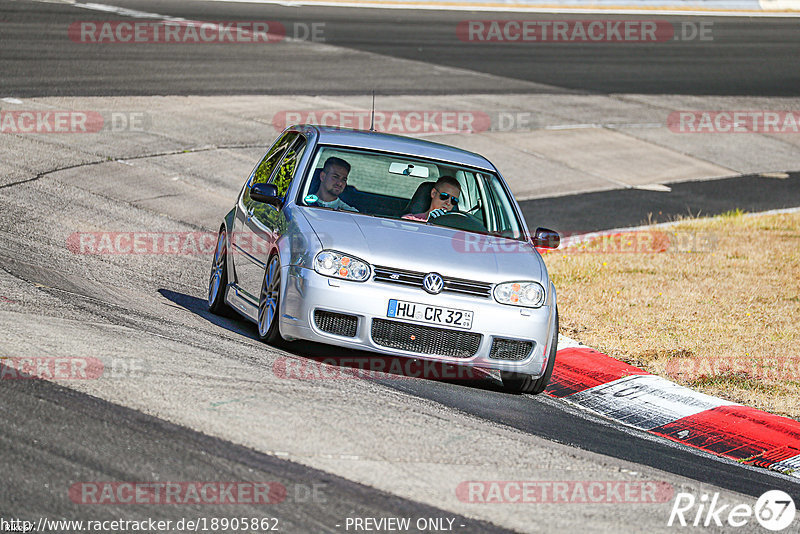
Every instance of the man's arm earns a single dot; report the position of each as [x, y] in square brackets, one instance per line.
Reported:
[345, 206]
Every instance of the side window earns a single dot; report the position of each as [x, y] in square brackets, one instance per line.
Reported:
[264, 169]
[285, 173]
[502, 210]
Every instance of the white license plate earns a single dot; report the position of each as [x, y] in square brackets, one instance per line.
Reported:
[425, 313]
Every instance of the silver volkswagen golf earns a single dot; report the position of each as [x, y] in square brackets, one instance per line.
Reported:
[393, 245]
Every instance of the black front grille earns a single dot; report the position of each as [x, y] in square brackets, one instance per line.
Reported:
[425, 339]
[510, 349]
[413, 278]
[336, 323]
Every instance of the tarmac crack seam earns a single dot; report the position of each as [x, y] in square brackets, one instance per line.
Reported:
[108, 159]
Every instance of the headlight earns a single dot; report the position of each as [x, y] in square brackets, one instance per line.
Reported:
[340, 265]
[529, 294]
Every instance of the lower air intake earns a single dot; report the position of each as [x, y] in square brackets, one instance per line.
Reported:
[339, 324]
[510, 349]
[425, 339]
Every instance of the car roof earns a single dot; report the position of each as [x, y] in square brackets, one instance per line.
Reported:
[408, 146]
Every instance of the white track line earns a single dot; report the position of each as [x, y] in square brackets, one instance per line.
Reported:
[788, 8]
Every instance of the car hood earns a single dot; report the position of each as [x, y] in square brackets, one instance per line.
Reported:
[420, 247]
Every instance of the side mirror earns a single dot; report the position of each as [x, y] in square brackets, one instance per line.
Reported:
[267, 193]
[546, 238]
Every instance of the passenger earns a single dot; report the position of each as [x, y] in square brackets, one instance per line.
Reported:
[444, 198]
[332, 181]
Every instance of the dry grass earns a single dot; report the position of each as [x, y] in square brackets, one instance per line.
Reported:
[718, 310]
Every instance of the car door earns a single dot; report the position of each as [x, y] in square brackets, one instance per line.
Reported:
[250, 248]
[266, 222]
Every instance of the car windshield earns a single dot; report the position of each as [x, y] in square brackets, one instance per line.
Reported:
[398, 186]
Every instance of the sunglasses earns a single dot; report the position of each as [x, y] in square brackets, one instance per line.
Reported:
[445, 196]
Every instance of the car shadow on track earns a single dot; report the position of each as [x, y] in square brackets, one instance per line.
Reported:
[233, 322]
[306, 360]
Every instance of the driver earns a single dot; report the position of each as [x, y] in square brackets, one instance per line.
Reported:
[444, 197]
[332, 182]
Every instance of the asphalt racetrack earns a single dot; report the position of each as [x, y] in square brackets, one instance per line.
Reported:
[189, 397]
[736, 56]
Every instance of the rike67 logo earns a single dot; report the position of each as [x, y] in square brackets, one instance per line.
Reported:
[774, 510]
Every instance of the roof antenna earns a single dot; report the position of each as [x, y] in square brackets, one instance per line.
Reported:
[372, 118]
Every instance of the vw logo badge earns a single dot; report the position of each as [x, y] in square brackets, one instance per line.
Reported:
[433, 283]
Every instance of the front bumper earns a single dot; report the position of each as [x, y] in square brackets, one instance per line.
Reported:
[306, 291]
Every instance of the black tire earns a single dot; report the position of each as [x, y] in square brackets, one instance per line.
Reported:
[521, 383]
[218, 281]
[269, 303]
